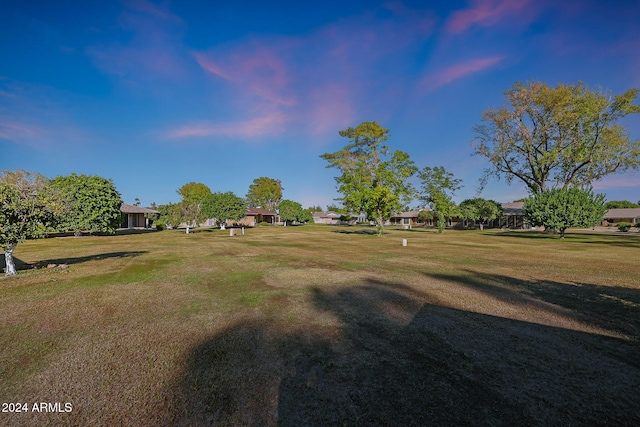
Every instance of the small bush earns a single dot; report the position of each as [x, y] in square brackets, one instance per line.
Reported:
[624, 226]
[264, 223]
[160, 225]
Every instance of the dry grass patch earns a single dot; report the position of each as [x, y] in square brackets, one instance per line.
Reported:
[324, 326]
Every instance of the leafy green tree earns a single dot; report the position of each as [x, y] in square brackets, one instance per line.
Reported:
[557, 137]
[425, 215]
[437, 190]
[337, 209]
[223, 207]
[306, 217]
[188, 210]
[290, 211]
[480, 210]
[314, 208]
[28, 206]
[93, 204]
[167, 213]
[373, 178]
[193, 192]
[265, 192]
[620, 204]
[561, 208]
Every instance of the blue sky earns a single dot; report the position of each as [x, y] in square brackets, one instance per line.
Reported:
[157, 94]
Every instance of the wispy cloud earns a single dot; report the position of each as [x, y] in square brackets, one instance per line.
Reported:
[314, 83]
[154, 50]
[487, 13]
[265, 125]
[36, 116]
[444, 77]
[629, 179]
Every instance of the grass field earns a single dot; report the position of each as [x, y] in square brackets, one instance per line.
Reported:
[321, 325]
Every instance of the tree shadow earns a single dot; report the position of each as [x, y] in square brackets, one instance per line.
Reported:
[22, 265]
[398, 357]
[360, 231]
[612, 308]
[624, 240]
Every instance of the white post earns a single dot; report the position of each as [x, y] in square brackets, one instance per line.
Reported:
[243, 231]
[231, 232]
[404, 242]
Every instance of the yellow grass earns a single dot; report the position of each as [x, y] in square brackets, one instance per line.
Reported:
[320, 325]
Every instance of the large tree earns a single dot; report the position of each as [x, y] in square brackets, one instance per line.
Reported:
[289, 210]
[223, 207]
[93, 204]
[373, 178]
[550, 137]
[480, 210]
[437, 190]
[265, 193]
[188, 210]
[561, 208]
[28, 206]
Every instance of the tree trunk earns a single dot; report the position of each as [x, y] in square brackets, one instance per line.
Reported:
[10, 269]
[481, 226]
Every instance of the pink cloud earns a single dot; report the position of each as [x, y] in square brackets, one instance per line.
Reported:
[486, 13]
[455, 72]
[314, 84]
[266, 125]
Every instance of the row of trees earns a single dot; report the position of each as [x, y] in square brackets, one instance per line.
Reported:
[199, 203]
[31, 206]
[557, 141]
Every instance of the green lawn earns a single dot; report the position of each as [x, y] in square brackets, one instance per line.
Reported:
[321, 325]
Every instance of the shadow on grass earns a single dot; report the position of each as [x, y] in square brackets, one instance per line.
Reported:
[397, 357]
[612, 308]
[21, 265]
[356, 231]
[624, 240]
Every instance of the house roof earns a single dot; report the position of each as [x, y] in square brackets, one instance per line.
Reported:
[259, 211]
[328, 214]
[513, 208]
[409, 214]
[131, 209]
[623, 213]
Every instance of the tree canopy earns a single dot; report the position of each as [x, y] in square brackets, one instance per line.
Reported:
[28, 207]
[480, 210]
[621, 204]
[265, 192]
[561, 208]
[93, 204]
[373, 178]
[437, 190]
[188, 210]
[223, 207]
[293, 211]
[193, 192]
[559, 136]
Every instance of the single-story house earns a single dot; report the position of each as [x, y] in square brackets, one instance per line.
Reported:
[512, 216]
[333, 218]
[136, 216]
[614, 216]
[328, 217]
[410, 218]
[255, 216]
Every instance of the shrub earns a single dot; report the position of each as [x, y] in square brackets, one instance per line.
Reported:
[264, 223]
[160, 225]
[624, 226]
